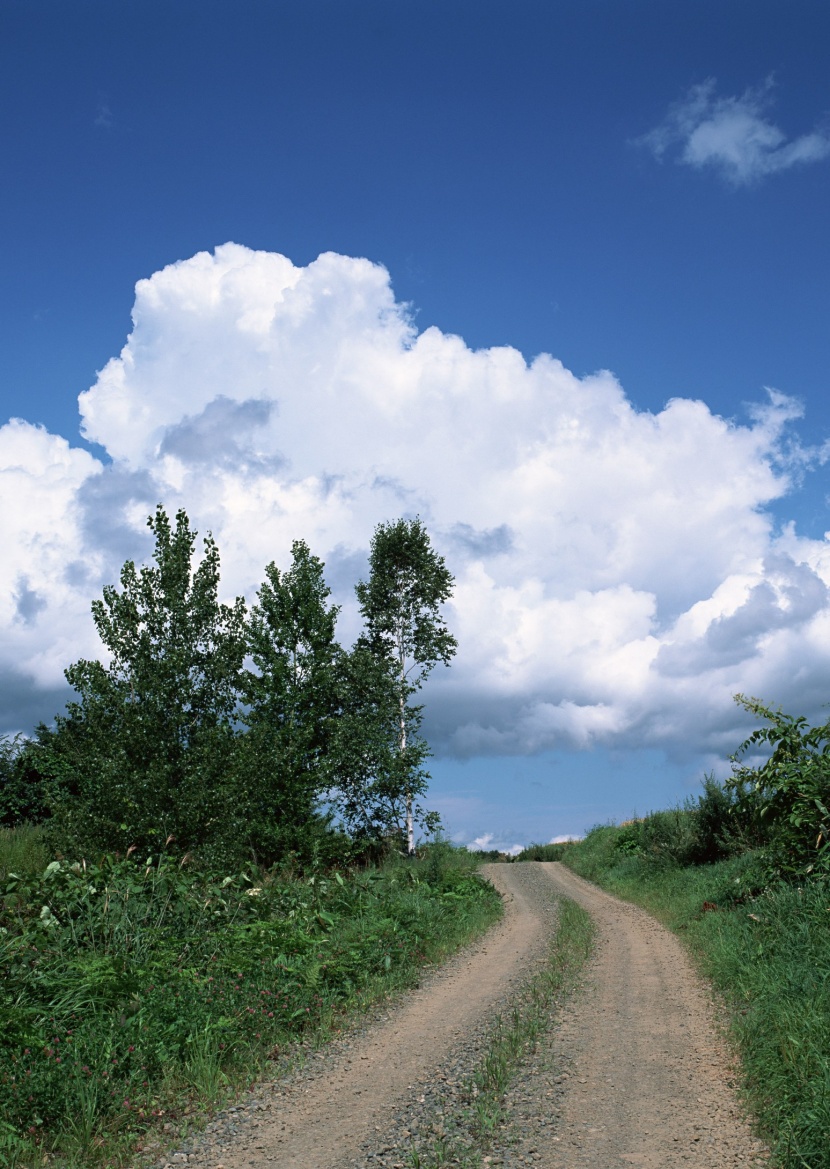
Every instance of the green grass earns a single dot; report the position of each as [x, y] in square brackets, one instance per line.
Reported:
[767, 950]
[483, 1120]
[22, 850]
[135, 994]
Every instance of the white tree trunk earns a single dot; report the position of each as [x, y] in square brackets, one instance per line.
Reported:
[410, 831]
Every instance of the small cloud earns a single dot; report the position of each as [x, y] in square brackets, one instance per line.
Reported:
[487, 843]
[563, 839]
[223, 434]
[104, 116]
[732, 134]
[27, 602]
[482, 542]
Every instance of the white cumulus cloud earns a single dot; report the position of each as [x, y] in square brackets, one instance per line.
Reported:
[487, 842]
[732, 135]
[618, 576]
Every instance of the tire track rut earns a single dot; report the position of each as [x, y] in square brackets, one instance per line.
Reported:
[650, 1082]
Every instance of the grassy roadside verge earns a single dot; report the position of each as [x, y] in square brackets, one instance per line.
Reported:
[482, 1120]
[136, 995]
[767, 950]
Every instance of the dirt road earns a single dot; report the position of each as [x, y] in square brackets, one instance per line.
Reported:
[650, 1082]
[644, 1079]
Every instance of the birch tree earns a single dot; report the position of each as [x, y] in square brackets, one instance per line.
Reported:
[405, 630]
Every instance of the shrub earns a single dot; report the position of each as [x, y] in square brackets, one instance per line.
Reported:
[711, 827]
[785, 802]
[541, 852]
[721, 830]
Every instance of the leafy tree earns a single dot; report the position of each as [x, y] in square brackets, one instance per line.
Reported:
[292, 698]
[369, 772]
[405, 631]
[152, 735]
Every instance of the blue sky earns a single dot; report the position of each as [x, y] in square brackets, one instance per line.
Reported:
[631, 186]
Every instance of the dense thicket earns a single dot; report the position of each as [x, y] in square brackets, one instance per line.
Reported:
[236, 733]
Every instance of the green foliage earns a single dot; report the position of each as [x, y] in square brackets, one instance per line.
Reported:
[26, 793]
[604, 855]
[126, 985]
[786, 799]
[285, 759]
[151, 739]
[663, 838]
[240, 737]
[541, 852]
[774, 958]
[767, 948]
[704, 829]
[400, 603]
[372, 765]
[777, 809]
[407, 635]
[721, 828]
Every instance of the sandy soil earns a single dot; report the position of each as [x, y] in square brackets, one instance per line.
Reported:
[645, 1079]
